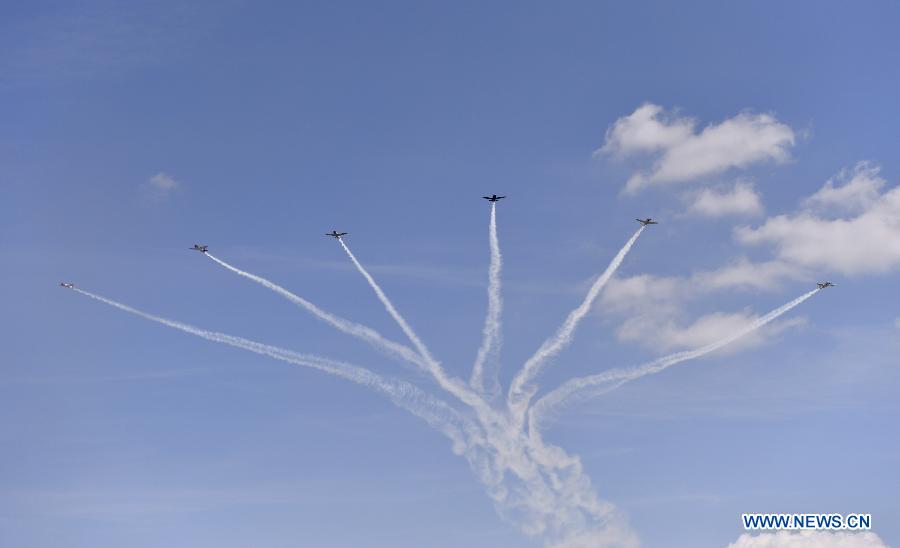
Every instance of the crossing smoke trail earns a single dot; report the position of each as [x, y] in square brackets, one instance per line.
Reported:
[486, 361]
[389, 306]
[540, 488]
[453, 386]
[534, 485]
[614, 378]
[521, 390]
[434, 411]
[360, 331]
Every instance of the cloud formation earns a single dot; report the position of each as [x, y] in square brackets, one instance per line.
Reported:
[161, 185]
[741, 199]
[667, 334]
[745, 274]
[654, 307]
[164, 182]
[643, 290]
[851, 227]
[809, 539]
[856, 190]
[685, 154]
[647, 129]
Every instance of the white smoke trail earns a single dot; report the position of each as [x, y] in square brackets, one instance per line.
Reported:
[539, 488]
[491, 336]
[614, 378]
[389, 306]
[521, 390]
[360, 331]
[453, 386]
[545, 492]
[436, 412]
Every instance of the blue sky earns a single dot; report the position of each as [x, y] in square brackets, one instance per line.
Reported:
[762, 136]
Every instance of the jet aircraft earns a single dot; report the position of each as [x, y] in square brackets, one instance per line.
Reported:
[67, 285]
[493, 198]
[200, 248]
[336, 234]
[647, 221]
[823, 285]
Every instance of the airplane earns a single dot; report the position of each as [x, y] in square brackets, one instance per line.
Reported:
[336, 234]
[823, 285]
[200, 248]
[67, 285]
[647, 221]
[493, 198]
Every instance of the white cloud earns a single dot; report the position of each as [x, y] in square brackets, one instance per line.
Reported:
[161, 185]
[868, 242]
[859, 189]
[164, 182]
[740, 199]
[644, 291]
[648, 128]
[661, 293]
[810, 244]
[744, 274]
[809, 539]
[665, 334]
[685, 154]
[654, 308]
[704, 330]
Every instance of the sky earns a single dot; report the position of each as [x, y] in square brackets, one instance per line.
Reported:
[762, 136]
